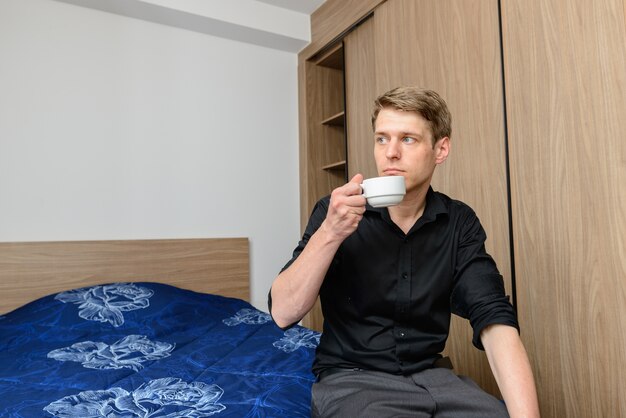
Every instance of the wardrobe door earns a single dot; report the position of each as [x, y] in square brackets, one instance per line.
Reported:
[565, 72]
[453, 47]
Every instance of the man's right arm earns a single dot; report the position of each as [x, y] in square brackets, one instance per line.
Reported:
[295, 289]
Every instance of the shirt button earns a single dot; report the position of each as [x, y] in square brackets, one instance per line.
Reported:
[405, 276]
[402, 334]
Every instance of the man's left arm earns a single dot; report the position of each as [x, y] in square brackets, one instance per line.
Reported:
[511, 368]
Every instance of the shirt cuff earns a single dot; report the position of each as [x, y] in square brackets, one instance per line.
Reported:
[497, 311]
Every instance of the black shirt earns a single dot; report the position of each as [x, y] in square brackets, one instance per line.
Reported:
[387, 297]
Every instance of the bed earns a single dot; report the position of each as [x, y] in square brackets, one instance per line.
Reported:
[149, 328]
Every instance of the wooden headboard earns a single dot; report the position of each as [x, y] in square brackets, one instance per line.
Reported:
[29, 270]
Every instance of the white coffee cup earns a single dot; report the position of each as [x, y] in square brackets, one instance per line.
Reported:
[384, 191]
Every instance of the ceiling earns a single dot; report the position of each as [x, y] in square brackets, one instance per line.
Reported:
[277, 24]
[302, 6]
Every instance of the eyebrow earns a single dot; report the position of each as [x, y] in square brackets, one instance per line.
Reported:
[403, 134]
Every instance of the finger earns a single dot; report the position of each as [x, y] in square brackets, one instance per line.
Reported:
[357, 179]
[347, 189]
[357, 201]
[346, 212]
[353, 187]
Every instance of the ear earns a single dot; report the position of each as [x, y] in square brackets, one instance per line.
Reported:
[442, 149]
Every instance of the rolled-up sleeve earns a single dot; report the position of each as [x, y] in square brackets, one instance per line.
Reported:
[478, 292]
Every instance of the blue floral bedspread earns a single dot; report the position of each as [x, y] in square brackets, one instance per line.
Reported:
[151, 350]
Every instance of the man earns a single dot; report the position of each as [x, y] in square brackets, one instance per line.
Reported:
[389, 279]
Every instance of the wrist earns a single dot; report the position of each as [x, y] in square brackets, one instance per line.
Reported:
[328, 236]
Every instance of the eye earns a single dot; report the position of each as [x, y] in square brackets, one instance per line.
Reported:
[409, 140]
[381, 140]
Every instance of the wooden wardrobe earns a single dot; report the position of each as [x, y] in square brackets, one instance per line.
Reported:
[537, 91]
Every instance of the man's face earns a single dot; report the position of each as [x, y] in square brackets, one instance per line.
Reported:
[404, 147]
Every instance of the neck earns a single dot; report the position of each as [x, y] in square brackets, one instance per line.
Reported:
[410, 209]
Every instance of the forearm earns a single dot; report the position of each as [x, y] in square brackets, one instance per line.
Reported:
[295, 290]
[511, 368]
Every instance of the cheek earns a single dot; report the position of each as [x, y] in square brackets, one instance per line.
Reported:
[379, 156]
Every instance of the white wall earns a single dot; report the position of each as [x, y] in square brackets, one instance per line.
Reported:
[117, 128]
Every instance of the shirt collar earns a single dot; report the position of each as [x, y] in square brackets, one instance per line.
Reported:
[434, 206]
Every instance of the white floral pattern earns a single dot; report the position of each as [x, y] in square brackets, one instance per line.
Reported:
[106, 303]
[248, 317]
[128, 353]
[160, 398]
[297, 337]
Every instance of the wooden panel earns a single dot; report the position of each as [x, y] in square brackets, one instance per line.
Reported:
[453, 47]
[331, 57]
[324, 144]
[360, 79]
[303, 144]
[565, 63]
[32, 270]
[333, 18]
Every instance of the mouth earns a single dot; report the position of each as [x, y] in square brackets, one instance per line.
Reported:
[392, 171]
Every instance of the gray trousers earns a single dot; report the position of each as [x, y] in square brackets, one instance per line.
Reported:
[437, 392]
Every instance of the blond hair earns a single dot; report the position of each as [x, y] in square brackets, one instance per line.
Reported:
[426, 103]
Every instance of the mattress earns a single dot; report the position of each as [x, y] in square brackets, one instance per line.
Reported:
[151, 350]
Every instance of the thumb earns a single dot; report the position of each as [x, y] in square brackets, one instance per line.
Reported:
[357, 179]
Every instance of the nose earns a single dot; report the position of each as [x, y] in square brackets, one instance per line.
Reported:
[393, 150]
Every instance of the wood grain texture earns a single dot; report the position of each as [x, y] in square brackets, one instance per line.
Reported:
[360, 79]
[303, 144]
[453, 48]
[565, 72]
[333, 18]
[29, 270]
[324, 144]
